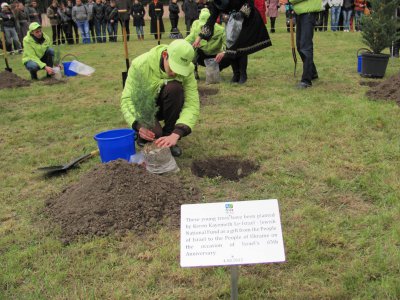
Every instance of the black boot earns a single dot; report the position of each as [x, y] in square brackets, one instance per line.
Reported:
[243, 69]
[236, 71]
[34, 75]
[196, 73]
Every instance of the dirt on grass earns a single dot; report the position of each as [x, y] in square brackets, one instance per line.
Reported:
[231, 168]
[11, 80]
[52, 81]
[118, 197]
[386, 90]
[205, 94]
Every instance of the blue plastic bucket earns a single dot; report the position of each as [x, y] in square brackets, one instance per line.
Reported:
[116, 143]
[67, 71]
[359, 64]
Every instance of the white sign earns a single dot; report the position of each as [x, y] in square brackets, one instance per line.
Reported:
[231, 233]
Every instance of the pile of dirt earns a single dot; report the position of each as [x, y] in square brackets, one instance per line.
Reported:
[386, 90]
[117, 197]
[205, 94]
[230, 168]
[11, 80]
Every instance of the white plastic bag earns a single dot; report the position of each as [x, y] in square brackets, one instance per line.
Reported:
[212, 71]
[57, 73]
[233, 28]
[81, 68]
[159, 160]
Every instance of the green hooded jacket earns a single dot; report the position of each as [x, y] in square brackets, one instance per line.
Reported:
[306, 6]
[152, 77]
[216, 44]
[32, 49]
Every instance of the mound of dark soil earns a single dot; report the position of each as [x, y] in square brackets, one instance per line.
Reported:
[230, 168]
[386, 90]
[205, 94]
[11, 80]
[370, 83]
[118, 197]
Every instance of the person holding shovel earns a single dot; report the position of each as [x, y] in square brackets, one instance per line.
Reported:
[156, 12]
[167, 72]
[38, 54]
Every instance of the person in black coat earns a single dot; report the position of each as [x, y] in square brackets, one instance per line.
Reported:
[99, 20]
[154, 16]
[189, 7]
[138, 12]
[174, 14]
[112, 21]
[252, 37]
[124, 5]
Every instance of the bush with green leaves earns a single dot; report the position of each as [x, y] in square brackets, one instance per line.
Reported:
[145, 106]
[379, 28]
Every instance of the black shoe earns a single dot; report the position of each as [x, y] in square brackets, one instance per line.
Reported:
[272, 30]
[34, 75]
[141, 142]
[235, 78]
[196, 75]
[315, 76]
[176, 151]
[243, 79]
[303, 85]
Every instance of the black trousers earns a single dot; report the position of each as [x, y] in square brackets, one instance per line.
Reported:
[201, 56]
[170, 102]
[56, 30]
[305, 47]
[174, 22]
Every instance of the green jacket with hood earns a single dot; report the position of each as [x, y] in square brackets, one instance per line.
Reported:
[306, 6]
[151, 76]
[32, 49]
[216, 44]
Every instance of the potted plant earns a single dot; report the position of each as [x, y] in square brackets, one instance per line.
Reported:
[378, 33]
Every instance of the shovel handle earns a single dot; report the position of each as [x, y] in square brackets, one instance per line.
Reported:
[81, 159]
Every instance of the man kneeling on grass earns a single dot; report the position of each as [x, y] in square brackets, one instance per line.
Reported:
[37, 52]
[167, 72]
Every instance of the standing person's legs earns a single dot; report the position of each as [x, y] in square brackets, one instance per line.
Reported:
[103, 25]
[110, 32]
[12, 38]
[86, 35]
[54, 34]
[92, 33]
[334, 18]
[304, 40]
[325, 19]
[115, 29]
[97, 26]
[75, 28]
[138, 32]
[243, 68]
[141, 32]
[128, 31]
[272, 24]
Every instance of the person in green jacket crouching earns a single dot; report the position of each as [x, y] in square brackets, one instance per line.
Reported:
[213, 48]
[166, 71]
[37, 52]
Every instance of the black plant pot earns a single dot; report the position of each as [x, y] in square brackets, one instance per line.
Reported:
[374, 65]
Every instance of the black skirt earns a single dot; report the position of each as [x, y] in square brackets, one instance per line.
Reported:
[252, 38]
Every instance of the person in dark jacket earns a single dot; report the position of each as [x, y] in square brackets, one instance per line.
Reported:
[124, 5]
[138, 12]
[22, 15]
[174, 14]
[65, 30]
[10, 28]
[112, 21]
[52, 14]
[34, 15]
[156, 15]
[71, 24]
[252, 37]
[189, 7]
[99, 20]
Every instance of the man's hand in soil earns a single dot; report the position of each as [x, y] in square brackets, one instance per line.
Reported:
[167, 141]
[49, 70]
[146, 134]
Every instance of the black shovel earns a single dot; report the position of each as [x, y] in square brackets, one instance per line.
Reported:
[3, 41]
[58, 170]
[124, 74]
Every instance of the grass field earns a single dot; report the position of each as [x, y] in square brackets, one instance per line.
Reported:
[328, 154]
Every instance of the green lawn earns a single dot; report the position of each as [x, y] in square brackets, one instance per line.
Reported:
[328, 154]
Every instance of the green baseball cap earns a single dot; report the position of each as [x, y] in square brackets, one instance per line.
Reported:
[33, 26]
[180, 57]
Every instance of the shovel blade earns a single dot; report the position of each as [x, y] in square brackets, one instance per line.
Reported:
[8, 70]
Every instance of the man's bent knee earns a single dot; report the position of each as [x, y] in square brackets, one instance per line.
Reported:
[32, 66]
